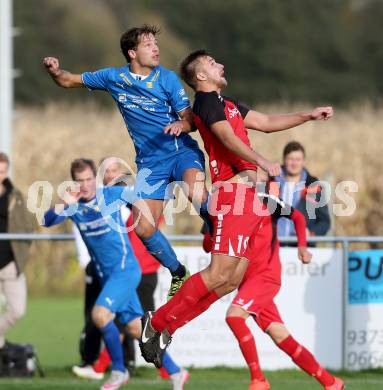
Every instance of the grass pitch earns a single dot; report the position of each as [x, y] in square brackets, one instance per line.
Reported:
[52, 325]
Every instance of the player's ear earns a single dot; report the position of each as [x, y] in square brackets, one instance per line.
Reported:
[132, 54]
[200, 76]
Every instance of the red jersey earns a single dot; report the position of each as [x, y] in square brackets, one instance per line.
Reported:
[265, 261]
[262, 279]
[209, 108]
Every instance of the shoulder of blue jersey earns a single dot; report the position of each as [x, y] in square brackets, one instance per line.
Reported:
[167, 74]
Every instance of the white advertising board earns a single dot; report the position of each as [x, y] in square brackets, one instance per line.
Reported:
[309, 302]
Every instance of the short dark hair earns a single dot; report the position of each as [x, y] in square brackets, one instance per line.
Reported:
[188, 66]
[130, 39]
[4, 158]
[80, 164]
[293, 146]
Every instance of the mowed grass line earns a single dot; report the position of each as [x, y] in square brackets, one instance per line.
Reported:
[201, 379]
[53, 325]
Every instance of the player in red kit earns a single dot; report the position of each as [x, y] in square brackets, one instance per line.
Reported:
[256, 293]
[233, 163]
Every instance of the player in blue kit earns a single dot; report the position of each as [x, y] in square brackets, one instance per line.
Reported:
[158, 116]
[106, 239]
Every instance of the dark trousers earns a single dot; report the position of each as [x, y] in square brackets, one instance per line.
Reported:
[145, 292]
[90, 339]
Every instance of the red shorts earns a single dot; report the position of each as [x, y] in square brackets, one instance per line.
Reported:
[233, 209]
[256, 296]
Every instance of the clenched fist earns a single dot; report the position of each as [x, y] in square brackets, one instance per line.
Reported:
[320, 113]
[304, 255]
[52, 65]
[273, 169]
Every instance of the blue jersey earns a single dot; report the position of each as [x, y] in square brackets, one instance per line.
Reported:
[147, 107]
[102, 229]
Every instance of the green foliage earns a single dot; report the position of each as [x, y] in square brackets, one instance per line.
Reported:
[82, 34]
[318, 51]
[287, 50]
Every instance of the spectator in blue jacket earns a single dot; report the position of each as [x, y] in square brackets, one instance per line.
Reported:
[303, 191]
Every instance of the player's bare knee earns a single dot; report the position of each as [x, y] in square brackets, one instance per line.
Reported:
[221, 279]
[226, 288]
[135, 332]
[97, 318]
[198, 196]
[236, 311]
[212, 278]
[232, 285]
[101, 316]
[230, 281]
[145, 230]
[134, 328]
[278, 332]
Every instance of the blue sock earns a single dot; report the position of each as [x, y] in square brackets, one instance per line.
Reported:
[160, 248]
[169, 365]
[204, 214]
[114, 346]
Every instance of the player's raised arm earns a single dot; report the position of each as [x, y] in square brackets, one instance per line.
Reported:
[224, 132]
[271, 123]
[56, 215]
[62, 77]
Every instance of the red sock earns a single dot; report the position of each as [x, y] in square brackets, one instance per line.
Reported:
[103, 361]
[188, 295]
[194, 311]
[247, 344]
[306, 361]
[163, 373]
[159, 321]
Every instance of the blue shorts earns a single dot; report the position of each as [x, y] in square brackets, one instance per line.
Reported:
[154, 179]
[119, 295]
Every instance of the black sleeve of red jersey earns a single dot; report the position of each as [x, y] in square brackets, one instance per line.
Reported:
[208, 107]
[277, 207]
[242, 108]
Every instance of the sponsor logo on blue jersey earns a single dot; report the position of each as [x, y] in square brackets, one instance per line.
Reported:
[147, 107]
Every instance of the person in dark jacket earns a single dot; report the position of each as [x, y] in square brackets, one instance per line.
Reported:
[303, 191]
[14, 218]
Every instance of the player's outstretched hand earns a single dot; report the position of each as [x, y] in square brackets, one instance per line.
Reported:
[51, 64]
[70, 194]
[174, 128]
[304, 255]
[320, 113]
